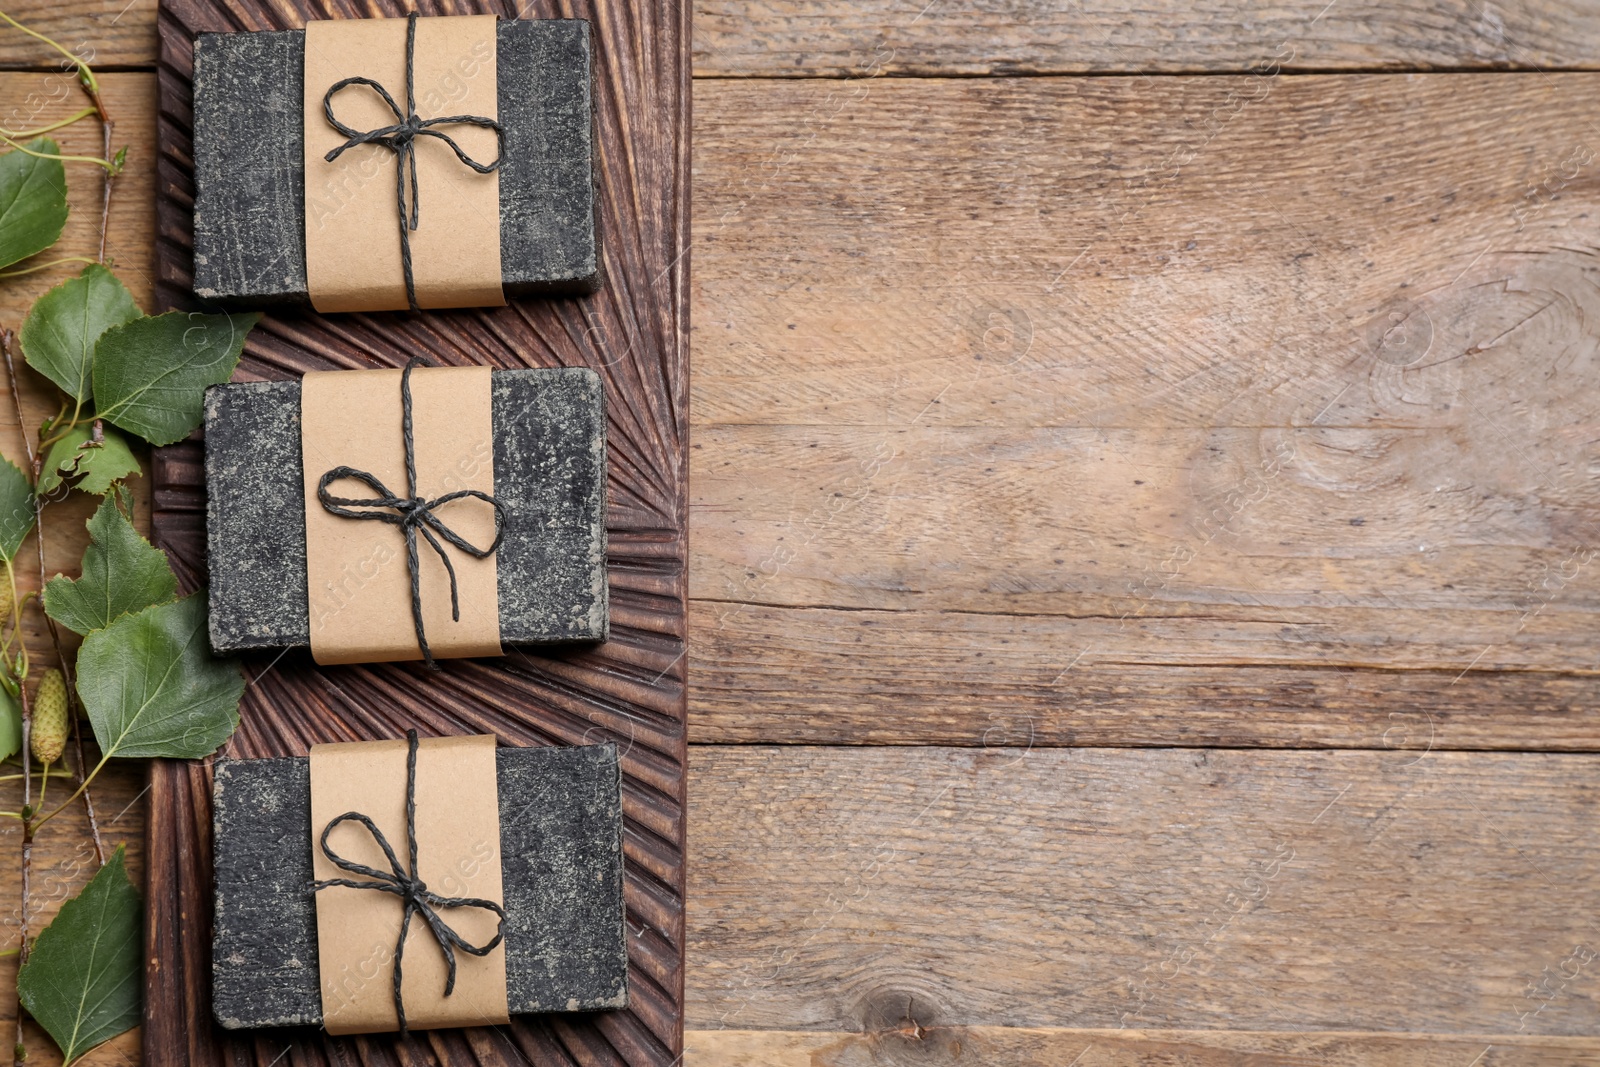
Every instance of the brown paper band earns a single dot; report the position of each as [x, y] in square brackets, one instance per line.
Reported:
[358, 582]
[351, 217]
[458, 855]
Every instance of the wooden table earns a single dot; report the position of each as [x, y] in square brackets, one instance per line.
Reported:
[1144, 527]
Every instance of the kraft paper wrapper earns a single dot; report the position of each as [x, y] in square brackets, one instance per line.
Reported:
[351, 218]
[458, 855]
[358, 583]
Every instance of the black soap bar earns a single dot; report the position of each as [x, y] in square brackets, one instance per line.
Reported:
[561, 869]
[249, 167]
[549, 472]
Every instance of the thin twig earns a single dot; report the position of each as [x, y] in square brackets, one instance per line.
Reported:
[7, 339]
[83, 789]
[91, 87]
[27, 826]
[106, 126]
[79, 774]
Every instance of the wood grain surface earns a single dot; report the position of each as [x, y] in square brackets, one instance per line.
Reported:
[1243, 377]
[63, 860]
[1438, 892]
[764, 673]
[881, 317]
[32, 99]
[109, 34]
[861, 38]
[865, 38]
[910, 1044]
[629, 689]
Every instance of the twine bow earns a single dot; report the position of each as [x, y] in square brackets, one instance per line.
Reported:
[400, 138]
[418, 898]
[412, 513]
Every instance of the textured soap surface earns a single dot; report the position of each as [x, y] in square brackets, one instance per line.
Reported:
[561, 867]
[249, 168]
[549, 472]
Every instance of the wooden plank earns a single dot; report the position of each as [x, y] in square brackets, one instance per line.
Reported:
[630, 688]
[847, 39]
[824, 676]
[905, 1042]
[63, 858]
[722, 784]
[865, 38]
[40, 99]
[992, 375]
[854, 889]
[105, 33]
[63, 863]
[43, 99]
[1257, 567]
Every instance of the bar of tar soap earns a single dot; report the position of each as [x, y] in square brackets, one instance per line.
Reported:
[561, 866]
[549, 472]
[249, 167]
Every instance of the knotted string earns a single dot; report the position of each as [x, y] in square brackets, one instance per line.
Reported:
[400, 138]
[419, 899]
[412, 513]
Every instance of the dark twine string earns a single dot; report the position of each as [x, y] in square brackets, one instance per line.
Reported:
[412, 514]
[419, 899]
[401, 137]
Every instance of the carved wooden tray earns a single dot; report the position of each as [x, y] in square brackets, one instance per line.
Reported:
[629, 690]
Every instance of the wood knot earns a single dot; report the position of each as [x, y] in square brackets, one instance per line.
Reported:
[1401, 333]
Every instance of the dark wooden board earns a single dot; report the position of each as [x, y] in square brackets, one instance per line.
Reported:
[630, 690]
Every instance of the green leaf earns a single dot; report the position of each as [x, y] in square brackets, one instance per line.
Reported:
[16, 510]
[10, 725]
[152, 688]
[150, 375]
[94, 469]
[122, 573]
[33, 201]
[59, 335]
[81, 981]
